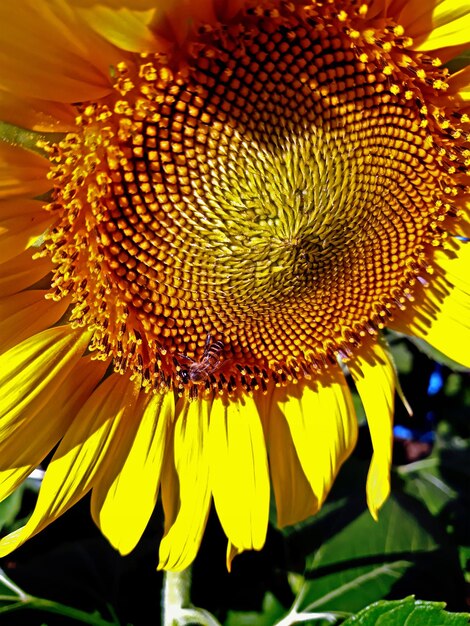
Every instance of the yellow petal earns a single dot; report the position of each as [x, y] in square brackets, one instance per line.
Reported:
[47, 52]
[459, 84]
[442, 313]
[22, 172]
[239, 475]
[38, 115]
[456, 266]
[25, 314]
[21, 222]
[31, 372]
[125, 496]
[21, 272]
[438, 24]
[169, 484]
[72, 471]
[11, 479]
[450, 330]
[180, 544]
[374, 376]
[294, 497]
[127, 28]
[323, 427]
[33, 433]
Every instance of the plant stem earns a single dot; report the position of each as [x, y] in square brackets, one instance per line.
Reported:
[176, 595]
[176, 602]
[41, 604]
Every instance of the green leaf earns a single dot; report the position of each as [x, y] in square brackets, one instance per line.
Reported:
[9, 591]
[362, 560]
[13, 512]
[440, 480]
[10, 508]
[423, 479]
[459, 62]
[409, 612]
[27, 139]
[12, 599]
[433, 491]
[271, 611]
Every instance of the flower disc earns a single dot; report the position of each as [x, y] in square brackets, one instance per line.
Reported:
[253, 213]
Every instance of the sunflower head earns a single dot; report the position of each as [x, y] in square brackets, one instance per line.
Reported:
[228, 204]
[250, 211]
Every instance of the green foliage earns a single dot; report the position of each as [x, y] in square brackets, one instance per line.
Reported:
[14, 511]
[271, 611]
[10, 509]
[459, 62]
[410, 612]
[12, 598]
[362, 560]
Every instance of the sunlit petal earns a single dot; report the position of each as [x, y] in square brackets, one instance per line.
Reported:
[438, 24]
[25, 314]
[443, 316]
[126, 493]
[80, 455]
[239, 472]
[31, 373]
[323, 427]
[24, 446]
[294, 497]
[374, 376]
[181, 543]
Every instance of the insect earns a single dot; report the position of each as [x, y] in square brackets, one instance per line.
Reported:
[210, 361]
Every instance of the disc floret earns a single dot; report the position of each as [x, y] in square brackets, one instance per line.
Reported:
[253, 214]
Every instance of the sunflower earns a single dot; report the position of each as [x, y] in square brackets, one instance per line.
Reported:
[210, 213]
